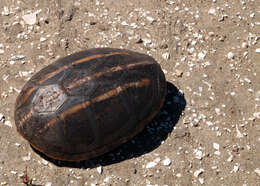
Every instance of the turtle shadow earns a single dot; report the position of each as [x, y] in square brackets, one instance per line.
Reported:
[146, 141]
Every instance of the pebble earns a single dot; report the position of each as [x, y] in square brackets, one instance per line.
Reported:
[6, 11]
[256, 114]
[18, 57]
[239, 134]
[106, 180]
[209, 123]
[124, 23]
[212, 11]
[166, 161]
[2, 117]
[43, 39]
[198, 154]
[17, 144]
[257, 171]
[236, 168]
[8, 123]
[150, 19]
[211, 34]
[232, 93]
[99, 170]
[2, 51]
[150, 165]
[11, 62]
[27, 158]
[230, 158]
[166, 56]
[48, 184]
[216, 146]
[30, 19]
[13, 172]
[165, 71]
[201, 180]
[202, 55]
[198, 172]
[230, 55]
[257, 50]
[179, 73]
[244, 45]
[44, 162]
[146, 41]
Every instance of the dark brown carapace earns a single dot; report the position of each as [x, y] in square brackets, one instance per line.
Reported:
[90, 102]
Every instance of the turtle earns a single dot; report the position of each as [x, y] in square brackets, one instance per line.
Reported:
[88, 103]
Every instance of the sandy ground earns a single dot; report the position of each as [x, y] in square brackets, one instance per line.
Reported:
[208, 132]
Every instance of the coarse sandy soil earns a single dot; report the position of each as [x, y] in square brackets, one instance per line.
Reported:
[208, 132]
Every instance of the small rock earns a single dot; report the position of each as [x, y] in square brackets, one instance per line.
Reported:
[2, 51]
[236, 168]
[6, 11]
[198, 154]
[8, 123]
[42, 39]
[13, 172]
[99, 169]
[201, 180]
[48, 184]
[18, 57]
[216, 146]
[17, 144]
[239, 134]
[2, 117]
[166, 162]
[106, 180]
[146, 41]
[12, 62]
[212, 11]
[257, 50]
[150, 19]
[198, 172]
[256, 114]
[44, 162]
[211, 34]
[257, 171]
[166, 56]
[244, 45]
[179, 73]
[190, 50]
[139, 40]
[27, 158]
[232, 93]
[230, 55]
[202, 55]
[151, 165]
[230, 158]
[30, 19]
[124, 23]
[165, 71]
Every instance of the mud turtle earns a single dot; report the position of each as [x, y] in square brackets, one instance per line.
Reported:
[89, 103]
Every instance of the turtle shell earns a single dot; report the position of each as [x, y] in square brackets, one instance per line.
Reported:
[90, 102]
